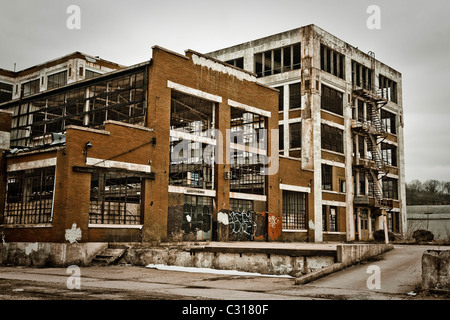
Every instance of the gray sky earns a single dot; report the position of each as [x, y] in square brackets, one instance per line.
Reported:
[414, 39]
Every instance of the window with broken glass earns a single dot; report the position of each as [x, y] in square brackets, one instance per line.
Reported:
[247, 130]
[390, 188]
[120, 98]
[332, 138]
[388, 121]
[115, 198]
[332, 62]
[241, 205]
[278, 60]
[192, 141]
[294, 210]
[387, 88]
[29, 196]
[327, 177]
[389, 154]
[362, 76]
[6, 92]
[332, 100]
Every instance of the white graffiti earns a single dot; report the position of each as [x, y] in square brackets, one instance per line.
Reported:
[273, 221]
[241, 223]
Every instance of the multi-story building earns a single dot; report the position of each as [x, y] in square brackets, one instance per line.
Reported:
[341, 116]
[52, 74]
[305, 143]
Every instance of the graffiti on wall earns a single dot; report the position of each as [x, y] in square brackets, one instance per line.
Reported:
[242, 226]
[275, 226]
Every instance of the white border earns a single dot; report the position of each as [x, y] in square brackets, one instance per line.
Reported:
[193, 92]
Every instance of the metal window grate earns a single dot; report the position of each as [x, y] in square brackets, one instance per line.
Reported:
[115, 199]
[29, 196]
[294, 210]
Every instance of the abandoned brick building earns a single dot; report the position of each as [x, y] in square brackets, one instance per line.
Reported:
[187, 147]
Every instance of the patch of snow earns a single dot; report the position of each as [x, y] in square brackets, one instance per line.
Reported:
[212, 271]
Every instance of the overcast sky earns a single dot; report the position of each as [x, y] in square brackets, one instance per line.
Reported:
[413, 39]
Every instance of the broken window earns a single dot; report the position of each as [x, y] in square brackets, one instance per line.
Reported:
[278, 60]
[280, 98]
[294, 210]
[327, 177]
[6, 92]
[57, 80]
[332, 100]
[388, 88]
[238, 63]
[115, 198]
[332, 62]
[241, 205]
[247, 173]
[389, 154]
[120, 98]
[91, 74]
[332, 138]
[390, 188]
[190, 159]
[295, 135]
[30, 87]
[295, 96]
[29, 196]
[329, 218]
[281, 137]
[388, 121]
[361, 76]
[197, 215]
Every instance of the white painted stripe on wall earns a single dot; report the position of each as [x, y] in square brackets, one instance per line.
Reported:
[118, 165]
[289, 187]
[247, 196]
[192, 191]
[50, 162]
[249, 108]
[334, 203]
[194, 92]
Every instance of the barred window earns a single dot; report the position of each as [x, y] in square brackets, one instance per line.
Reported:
[329, 218]
[332, 100]
[115, 199]
[294, 210]
[29, 196]
[241, 205]
[332, 138]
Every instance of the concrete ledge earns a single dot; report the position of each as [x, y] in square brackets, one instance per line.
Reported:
[348, 254]
[436, 270]
[46, 254]
[319, 273]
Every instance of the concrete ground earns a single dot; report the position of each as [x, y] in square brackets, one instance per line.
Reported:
[400, 277]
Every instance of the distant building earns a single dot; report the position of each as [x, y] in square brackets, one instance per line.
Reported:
[431, 218]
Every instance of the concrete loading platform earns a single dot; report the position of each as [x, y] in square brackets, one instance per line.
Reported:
[303, 261]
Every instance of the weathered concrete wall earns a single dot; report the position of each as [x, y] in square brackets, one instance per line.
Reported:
[436, 270]
[47, 254]
[348, 254]
[276, 264]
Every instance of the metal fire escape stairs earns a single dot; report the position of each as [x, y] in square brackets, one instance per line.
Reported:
[374, 134]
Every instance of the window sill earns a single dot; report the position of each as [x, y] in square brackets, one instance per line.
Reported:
[116, 226]
[23, 226]
[294, 230]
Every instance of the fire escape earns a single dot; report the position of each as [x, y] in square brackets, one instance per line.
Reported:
[370, 128]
